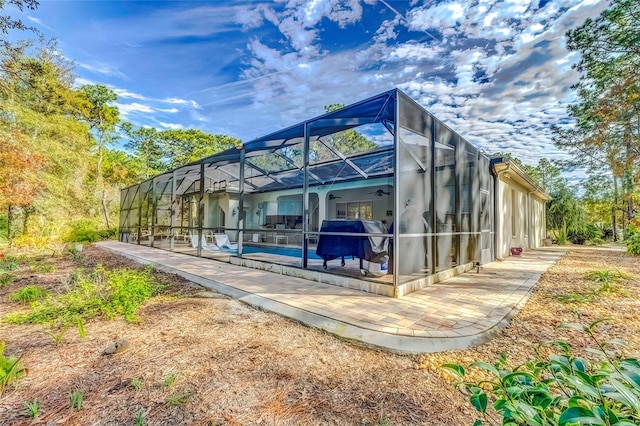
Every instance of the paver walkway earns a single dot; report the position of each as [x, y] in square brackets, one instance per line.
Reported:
[457, 313]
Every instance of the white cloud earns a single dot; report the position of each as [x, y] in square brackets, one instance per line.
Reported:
[173, 126]
[169, 110]
[102, 69]
[126, 109]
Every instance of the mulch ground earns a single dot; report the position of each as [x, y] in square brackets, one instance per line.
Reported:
[200, 358]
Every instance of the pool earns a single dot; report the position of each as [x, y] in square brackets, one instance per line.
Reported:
[282, 251]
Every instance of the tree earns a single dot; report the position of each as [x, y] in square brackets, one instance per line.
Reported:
[7, 23]
[146, 143]
[348, 141]
[20, 174]
[181, 147]
[606, 135]
[102, 118]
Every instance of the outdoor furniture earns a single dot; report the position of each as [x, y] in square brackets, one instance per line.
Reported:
[372, 249]
[222, 241]
[280, 236]
[205, 246]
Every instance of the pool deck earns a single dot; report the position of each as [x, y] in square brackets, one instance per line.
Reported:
[457, 313]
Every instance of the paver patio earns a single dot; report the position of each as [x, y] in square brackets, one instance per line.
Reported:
[457, 313]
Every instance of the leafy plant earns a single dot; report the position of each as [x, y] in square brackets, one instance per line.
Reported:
[632, 241]
[8, 263]
[140, 416]
[609, 279]
[33, 408]
[559, 389]
[179, 398]
[82, 231]
[574, 298]
[29, 294]
[11, 369]
[76, 399]
[5, 279]
[57, 337]
[137, 383]
[100, 292]
[168, 381]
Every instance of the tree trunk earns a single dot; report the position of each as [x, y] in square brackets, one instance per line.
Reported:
[614, 208]
[105, 211]
[9, 224]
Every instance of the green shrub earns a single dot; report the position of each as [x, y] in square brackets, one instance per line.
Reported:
[633, 241]
[5, 279]
[100, 292]
[108, 234]
[8, 264]
[82, 231]
[11, 369]
[29, 294]
[559, 389]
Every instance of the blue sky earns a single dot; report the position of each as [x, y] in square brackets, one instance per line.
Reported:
[496, 71]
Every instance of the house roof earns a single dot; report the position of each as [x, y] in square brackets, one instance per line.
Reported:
[506, 165]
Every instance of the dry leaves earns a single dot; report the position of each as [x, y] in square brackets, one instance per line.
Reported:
[235, 365]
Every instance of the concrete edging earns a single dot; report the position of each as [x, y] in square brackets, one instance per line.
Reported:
[388, 341]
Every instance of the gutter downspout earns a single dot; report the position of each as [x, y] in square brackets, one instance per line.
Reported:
[496, 215]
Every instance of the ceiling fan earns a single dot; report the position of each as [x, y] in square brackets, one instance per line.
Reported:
[333, 197]
[380, 192]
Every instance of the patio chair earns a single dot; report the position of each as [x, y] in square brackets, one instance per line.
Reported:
[222, 241]
[281, 236]
[205, 246]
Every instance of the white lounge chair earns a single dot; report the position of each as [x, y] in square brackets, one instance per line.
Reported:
[205, 246]
[222, 241]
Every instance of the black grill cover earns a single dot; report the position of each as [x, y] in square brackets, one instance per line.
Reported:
[372, 249]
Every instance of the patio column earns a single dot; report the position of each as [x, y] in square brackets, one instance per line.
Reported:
[305, 196]
[200, 209]
[172, 220]
[396, 194]
[154, 213]
[241, 218]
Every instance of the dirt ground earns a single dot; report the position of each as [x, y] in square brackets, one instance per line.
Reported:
[235, 365]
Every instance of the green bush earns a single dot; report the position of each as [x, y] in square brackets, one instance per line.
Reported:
[11, 369]
[559, 389]
[108, 234]
[29, 294]
[101, 292]
[633, 241]
[82, 231]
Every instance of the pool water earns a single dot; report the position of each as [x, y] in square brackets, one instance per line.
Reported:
[282, 251]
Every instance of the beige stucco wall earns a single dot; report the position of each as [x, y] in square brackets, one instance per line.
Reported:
[520, 220]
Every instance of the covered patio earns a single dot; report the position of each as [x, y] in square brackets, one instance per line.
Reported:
[399, 199]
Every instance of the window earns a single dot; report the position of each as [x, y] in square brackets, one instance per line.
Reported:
[355, 210]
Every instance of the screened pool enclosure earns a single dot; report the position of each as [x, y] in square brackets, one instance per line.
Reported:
[379, 192]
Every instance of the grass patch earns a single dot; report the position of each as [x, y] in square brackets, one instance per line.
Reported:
[33, 408]
[608, 276]
[5, 279]
[112, 294]
[179, 398]
[29, 294]
[8, 264]
[76, 399]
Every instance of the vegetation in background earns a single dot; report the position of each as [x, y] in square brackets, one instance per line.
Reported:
[560, 388]
[11, 370]
[633, 240]
[606, 136]
[113, 293]
[57, 162]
